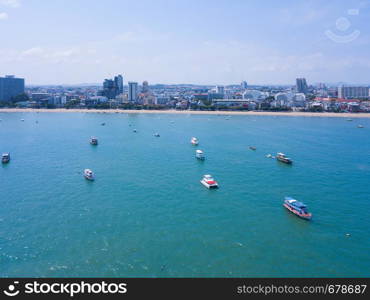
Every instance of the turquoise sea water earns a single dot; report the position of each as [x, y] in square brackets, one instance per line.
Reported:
[147, 215]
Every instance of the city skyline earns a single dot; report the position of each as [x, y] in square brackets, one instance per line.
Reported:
[171, 43]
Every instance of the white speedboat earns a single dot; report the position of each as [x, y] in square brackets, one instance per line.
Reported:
[199, 154]
[194, 141]
[209, 182]
[89, 175]
[94, 141]
[360, 126]
[156, 134]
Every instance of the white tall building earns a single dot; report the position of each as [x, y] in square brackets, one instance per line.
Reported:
[289, 99]
[351, 92]
[255, 95]
[133, 91]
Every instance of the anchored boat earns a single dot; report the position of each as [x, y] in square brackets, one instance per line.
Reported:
[94, 141]
[5, 158]
[89, 175]
[199, 154]
[283, 158]
[209, 182]
[297, 208]
[194, 141]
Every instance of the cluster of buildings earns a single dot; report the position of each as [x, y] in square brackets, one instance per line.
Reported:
[114, 93]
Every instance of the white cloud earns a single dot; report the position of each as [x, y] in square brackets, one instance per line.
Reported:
[3, 16]
[35, 51]
[302, 13]
[10, 3]
[141, 36]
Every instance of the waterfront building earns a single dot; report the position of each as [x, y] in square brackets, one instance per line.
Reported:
[299, 100]
[353, 92]
[96, 100]
[231, 102]
[10, 87]
[255, 95]
[244, 85]
[283, 99]
[132, 91]
[42, 98]
[163, 100]
[213, 95]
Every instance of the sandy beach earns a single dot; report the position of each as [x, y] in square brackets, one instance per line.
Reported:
[230, 113]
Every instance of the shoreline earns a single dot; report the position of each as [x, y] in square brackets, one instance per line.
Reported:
[194, 112]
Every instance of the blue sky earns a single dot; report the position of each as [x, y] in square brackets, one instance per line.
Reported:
[205, 42]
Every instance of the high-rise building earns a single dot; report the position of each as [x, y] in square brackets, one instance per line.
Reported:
[244, 85]
[145, 87]
[301, 85]
[109, 89]
[220, 90]
[118, 81]
[353, 92]
[112, 87]
[132, 91]
[10, 87]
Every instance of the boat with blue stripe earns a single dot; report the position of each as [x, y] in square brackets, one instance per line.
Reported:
[297, 208]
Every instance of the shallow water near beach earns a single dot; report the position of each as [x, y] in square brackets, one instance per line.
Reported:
[147, 215]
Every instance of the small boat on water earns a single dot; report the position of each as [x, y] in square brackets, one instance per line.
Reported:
[297, 208]
[269, 156]
[349, 120]
[134, 130]
[194, 141]
[252, 148]
[282, 158]
[209, 182]
[199, 154]
[22, 120]
[5, 158]
[156, 134]
[102, 124]
[360, 126]
[89, 175]
[94, 141]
